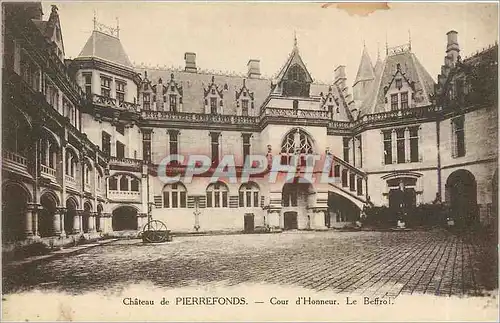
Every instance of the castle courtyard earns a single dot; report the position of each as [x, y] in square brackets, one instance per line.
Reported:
[377, 264]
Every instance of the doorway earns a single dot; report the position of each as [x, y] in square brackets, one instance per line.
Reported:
[290, 219]
[249, 222]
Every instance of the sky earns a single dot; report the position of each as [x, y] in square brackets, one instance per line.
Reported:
[225, 35]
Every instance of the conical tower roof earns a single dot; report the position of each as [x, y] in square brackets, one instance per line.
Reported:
[106, 47]
[365, 70]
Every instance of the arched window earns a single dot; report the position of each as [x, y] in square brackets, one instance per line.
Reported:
[217, 195]
[99, 178]
[296, 142]
[296, 73]
[134, 185]
[88, 172]
[249, 195]
[113, 184]
[124, 183]
[71, 161]
[174, 196]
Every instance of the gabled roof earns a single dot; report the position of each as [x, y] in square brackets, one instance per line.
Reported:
[384, 75]
[365, 69]
[47, 27]
[105, 47]
[293, 58]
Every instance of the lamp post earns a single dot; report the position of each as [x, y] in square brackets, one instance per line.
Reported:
[196, 215]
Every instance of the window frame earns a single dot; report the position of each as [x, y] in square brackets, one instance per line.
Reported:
[217, 195]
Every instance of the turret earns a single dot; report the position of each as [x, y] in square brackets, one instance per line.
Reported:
[364, 77]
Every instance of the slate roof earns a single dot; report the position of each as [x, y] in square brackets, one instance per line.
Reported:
[194, 84]
[412, 70]
[105, 47]
[365, 69]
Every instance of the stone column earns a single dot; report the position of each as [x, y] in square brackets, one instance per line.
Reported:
[91, 222]
[106, 222]
[144, 189]
[407, 145]
[394, 147]
[61, 212]
[77, 228]
[56, 223]
[101, 223]
[28, 230]
[35, 220]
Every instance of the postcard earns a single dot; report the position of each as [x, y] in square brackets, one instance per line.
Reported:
[247, 161]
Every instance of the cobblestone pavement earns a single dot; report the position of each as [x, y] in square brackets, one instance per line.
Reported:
[368, 263]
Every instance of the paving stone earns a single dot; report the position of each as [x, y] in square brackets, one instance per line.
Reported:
[383, 264]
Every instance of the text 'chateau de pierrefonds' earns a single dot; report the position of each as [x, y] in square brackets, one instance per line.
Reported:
[83, 137]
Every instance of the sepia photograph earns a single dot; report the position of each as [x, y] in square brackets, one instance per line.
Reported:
[249, 161]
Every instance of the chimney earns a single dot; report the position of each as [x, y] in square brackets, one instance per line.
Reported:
[452, 48]
[253, 68]
[190, 59]
[339, 76]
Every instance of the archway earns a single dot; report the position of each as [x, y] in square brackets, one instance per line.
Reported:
[46, 216]
[341, 211]
[296, 199]
[461, 196]
[14, 202]
[71, 207]
[402, 194]
[87, 208]
[124, 218]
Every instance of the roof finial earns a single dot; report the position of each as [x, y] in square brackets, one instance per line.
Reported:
[294, 39]
[95, 19]
[364, 43]
[378, 51]
[117, 27]
[409, 39]
[386, 45]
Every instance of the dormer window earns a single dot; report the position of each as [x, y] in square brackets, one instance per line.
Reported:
[173, 102]
[213, 91]
[213, 105]
[394, 102]
[244, 107]
[297, 74]
[244, 99]
[146, 100]
[296, 83]
[404, 100]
